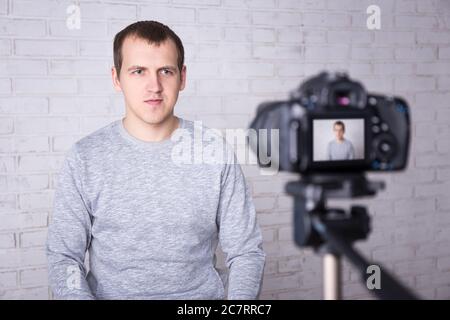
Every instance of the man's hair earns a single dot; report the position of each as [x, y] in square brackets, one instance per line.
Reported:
[152, 31]
[339, 123]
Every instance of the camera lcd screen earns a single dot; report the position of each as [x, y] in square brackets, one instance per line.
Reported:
[338, 139]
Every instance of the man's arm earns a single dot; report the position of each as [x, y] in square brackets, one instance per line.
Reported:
[351, 152]
[69, 234]
[329, 151]
[239, 234]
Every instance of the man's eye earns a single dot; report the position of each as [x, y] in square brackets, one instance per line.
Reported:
[166, 71]
[137, 71]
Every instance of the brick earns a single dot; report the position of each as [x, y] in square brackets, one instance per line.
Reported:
[432, 160]
[357, 37]
[23, 67]
[95, 48]
[326, 19]
[414, 83]
[6, 145]
[87, 29]
[443, 82]
[5, 86]
[45, 8]
[224, 50]
[33, 277]
[271, 219]
[218, 86]
[277, 52]
[215, 16]
[45, 125]
[39, 163]
[79, 67]
[397, 253]
[7, 241]
[26, 105]
[22, 27]
[8, 280]
[415, 22]
[276, 18]
[3, 10]
[431, 68]
[6, 125]
[63, 143]
[286, 282]
[45, 86]
[263, 35]
[7, 164]
[432, 37]
[395, 37]
[415, 54]
[435, 189]
[36, 48]
[39, 293]
[365, 53]
[98, 11]
[264, 203]
[5, 47]
[35, 200]
[90, 124]
[436, 99]
[31, 144]
[7, 203]
[167, 14]
[95, 86]
[29, 182]
[13, 221]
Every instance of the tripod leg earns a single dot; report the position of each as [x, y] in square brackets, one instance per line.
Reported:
[331, 277]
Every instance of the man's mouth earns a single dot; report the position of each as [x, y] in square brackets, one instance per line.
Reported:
[153, 102]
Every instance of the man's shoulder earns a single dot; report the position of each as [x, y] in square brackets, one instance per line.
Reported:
[97, 141]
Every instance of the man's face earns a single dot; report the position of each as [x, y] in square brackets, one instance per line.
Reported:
[149, 79]
[338, 132]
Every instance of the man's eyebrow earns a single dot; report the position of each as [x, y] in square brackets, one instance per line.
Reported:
[136, 67]
[173, 68]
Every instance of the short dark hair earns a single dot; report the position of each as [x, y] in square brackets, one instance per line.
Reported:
[152, 31]
[339, 123]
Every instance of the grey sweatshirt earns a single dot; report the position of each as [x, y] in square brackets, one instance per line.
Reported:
[151, 225]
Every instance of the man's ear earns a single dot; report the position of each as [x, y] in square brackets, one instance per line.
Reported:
[183, 77]
[115, 79]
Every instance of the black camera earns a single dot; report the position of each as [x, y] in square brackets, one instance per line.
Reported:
[332, 124]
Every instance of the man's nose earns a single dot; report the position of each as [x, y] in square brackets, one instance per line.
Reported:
[153, 83]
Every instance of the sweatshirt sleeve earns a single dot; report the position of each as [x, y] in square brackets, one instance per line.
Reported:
[239, 235]
[69, 234]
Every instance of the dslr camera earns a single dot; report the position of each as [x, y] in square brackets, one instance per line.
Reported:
[332, 124]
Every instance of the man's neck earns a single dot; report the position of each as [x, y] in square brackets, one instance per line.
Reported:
[150, 132]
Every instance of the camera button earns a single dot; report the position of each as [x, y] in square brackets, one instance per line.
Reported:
[375, 129]
[384, 127]
[375, 120]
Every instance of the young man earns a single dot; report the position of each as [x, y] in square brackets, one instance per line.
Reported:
[340, 148]
[151, 226]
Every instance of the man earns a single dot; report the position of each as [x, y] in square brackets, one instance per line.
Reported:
[340, 148]
[151, 226]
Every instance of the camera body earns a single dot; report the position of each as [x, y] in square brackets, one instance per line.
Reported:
[331, 124]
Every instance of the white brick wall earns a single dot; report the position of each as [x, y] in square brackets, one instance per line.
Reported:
[55, 88]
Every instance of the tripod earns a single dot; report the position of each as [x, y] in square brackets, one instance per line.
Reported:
[332, 231]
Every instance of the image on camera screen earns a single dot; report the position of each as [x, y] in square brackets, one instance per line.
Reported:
[338, 139]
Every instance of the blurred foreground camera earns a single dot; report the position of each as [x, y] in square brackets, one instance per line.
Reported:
[330, 123]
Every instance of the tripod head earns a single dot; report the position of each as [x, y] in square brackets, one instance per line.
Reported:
[333, 231]
[310, 196]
